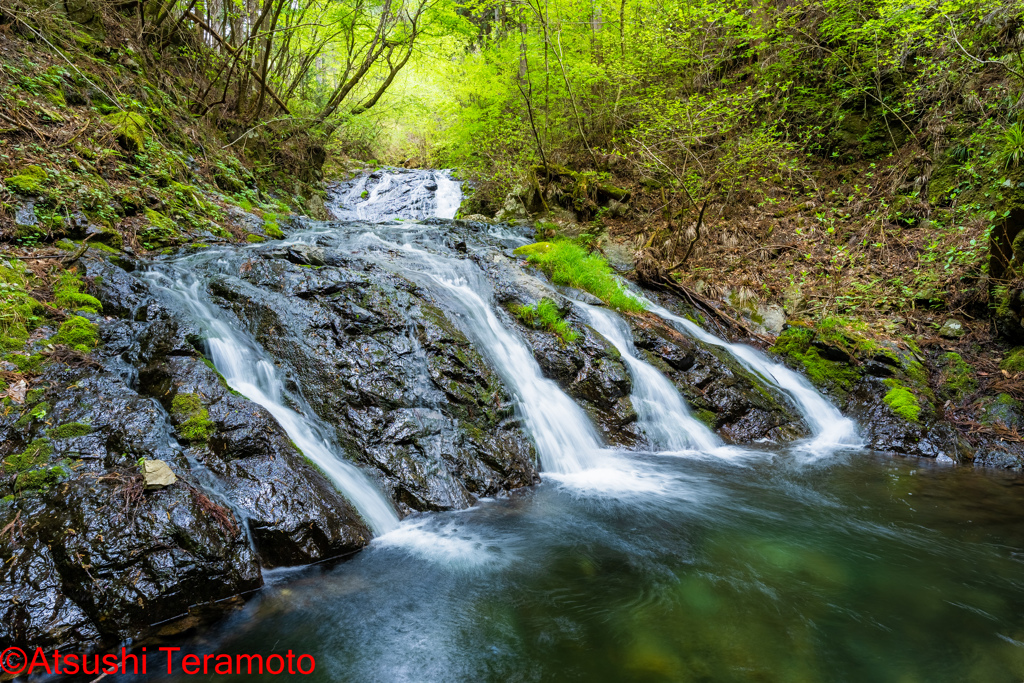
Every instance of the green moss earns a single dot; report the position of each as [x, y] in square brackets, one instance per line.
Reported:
[34, 396]
[35, 455]
[69, 430]
[39, 479]
[26, 363]
[28, 182]
[38, 412]
[186, 404]
[129, 128]
[78, 333]
[545, 315]
[795, 342]
[162, 231]
[67, 294]
[196, 425]
[707, 417]
[1014, 361]
[569, 264]
[271, 226]
[902, 401]
[254, 238]
[957, 377]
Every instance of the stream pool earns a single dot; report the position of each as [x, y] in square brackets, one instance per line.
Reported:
[758, 567]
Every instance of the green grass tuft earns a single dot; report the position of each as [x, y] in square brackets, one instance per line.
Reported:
[545, 315]
[569, 264]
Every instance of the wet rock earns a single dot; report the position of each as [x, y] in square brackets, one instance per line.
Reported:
[1000, 459]
[93, 557]
[738, 406]
[406, 392]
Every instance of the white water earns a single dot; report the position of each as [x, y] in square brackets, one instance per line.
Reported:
[448, 196]
[663, 416]
[830, 428]
[566, 441]
[247, 371]
[396, 194]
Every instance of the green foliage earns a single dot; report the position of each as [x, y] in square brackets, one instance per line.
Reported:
[78, 333]
[130, 129]
[902, 401]
[162, 231]
[28, 182]
[67, 294]
[19, 312]
[195, 423]
[69, 430]
[545, 315]
[570, 264]
[254, 238]
[1011, 153]
[36, 413]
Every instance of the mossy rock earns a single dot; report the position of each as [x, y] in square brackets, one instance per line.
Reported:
[902, 401]
[129, 129]
[795, 343]
[1014, 361]
[195, 424]
[957, 379]
[29, 182]
[67, 294]
[69, 430]
[254, 238]
[77, 332]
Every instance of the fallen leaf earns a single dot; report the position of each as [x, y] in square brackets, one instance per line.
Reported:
[17, 392]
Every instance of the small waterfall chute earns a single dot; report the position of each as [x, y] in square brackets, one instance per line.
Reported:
[831, 429]
[249, 372]
[663, 415]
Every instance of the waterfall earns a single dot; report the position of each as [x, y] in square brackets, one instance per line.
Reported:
[663, 415]
[396, 193]
[566, 441]
[448, 196]
[830, 428]
[248, 370]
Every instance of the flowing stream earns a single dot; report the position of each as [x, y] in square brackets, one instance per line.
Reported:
[771, 567]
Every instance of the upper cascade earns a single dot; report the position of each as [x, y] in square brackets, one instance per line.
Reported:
[395, 193]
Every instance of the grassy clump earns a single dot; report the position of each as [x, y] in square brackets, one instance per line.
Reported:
[1014, 361]
[795, 342]
[545, 315]
[28, 182]
[69, 430]
[569, 264]
[271, 226]
[957, 377]
[78, 333]
[902, 401]
[195, 424]
[67, 293]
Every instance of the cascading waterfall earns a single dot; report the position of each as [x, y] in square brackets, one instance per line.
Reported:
[566, 440]
[392, 194]
[244, 365]
[830, 428]
[663, 415]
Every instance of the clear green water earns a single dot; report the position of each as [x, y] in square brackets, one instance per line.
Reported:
[854, 568]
